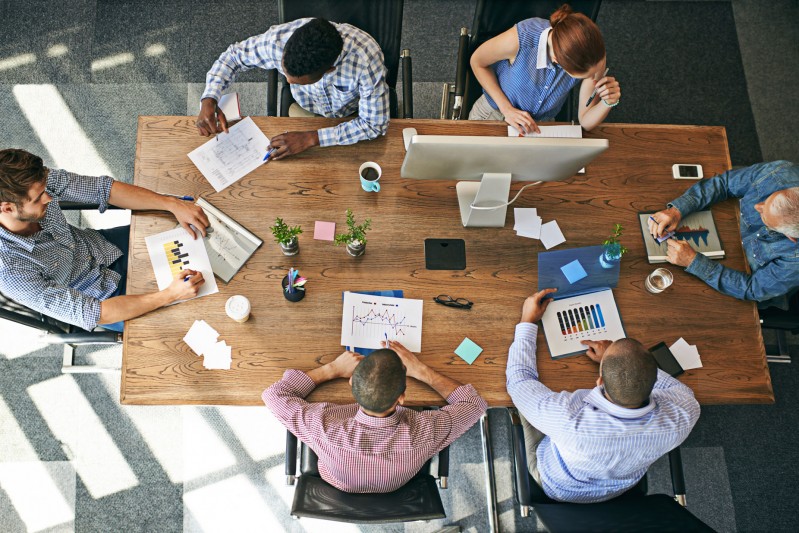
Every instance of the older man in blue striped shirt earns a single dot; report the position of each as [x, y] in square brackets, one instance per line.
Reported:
[334, 70]
[592, 445]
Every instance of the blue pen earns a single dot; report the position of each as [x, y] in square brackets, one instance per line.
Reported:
[178, 196]
[386, 336]
[268, 153]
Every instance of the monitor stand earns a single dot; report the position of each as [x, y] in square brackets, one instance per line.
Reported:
[490, 191]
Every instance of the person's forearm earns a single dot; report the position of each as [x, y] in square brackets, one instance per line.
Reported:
[488, 80]
[440, 383]
[121, 308]
[138, 198]
[594, 116]
[322, 374]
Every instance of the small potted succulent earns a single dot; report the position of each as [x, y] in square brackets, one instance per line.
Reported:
[612, 248]
[355, 238]
[286, 237]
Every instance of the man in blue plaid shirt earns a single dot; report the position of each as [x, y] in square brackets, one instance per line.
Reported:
[334, 70]
[71, 274]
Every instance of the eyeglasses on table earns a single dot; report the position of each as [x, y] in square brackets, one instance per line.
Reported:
[449, 301]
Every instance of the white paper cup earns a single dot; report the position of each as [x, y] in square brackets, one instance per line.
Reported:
[238, 308]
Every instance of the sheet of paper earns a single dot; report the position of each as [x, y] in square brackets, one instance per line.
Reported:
[218, 357]
[551, 235]
[176, 250]
[228, 157]
[468, 350]
[229, 104]
[562, 131]
[200, 337]
[569, 321]
[686, 354]
[367, 320]
[324, 231]
[524, 216]
[574, 271]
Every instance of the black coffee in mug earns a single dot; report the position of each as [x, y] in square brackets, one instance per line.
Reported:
[369, 174]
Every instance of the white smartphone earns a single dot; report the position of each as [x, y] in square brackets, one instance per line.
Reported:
[681, 171]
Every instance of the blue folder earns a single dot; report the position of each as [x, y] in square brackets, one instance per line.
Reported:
[598, 278]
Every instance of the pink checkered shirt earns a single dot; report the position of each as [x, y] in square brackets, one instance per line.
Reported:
[362, 453]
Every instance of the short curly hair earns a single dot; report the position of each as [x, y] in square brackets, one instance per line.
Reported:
[312, 48]
[19, 170]
[378, 380]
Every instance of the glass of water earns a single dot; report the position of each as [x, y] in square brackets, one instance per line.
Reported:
[658, 281]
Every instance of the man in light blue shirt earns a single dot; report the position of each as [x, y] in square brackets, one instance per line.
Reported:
[769, 194]
[334, 70]
[592, 445]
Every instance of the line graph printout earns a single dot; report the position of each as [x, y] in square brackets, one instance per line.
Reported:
[367, 320]
[228, 157]
[592, 317]
[175, 250]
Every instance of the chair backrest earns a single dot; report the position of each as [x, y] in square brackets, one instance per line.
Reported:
[314, 498]
[492, 17]
[641, 514]
[20, 314]
[382, 20]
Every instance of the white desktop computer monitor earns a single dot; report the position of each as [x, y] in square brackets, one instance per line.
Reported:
[491, 163]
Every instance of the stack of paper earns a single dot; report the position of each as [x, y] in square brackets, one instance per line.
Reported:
[686, 354]
[528, 224]
[202, 339]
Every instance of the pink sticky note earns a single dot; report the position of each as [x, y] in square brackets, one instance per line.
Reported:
[324, 231]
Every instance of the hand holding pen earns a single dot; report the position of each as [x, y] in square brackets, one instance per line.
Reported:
[608, 90]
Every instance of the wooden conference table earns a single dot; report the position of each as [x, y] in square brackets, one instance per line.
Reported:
[633, 175]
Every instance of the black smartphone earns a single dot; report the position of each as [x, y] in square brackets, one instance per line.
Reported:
[665, 359]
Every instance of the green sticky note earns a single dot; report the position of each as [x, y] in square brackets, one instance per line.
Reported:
[468, 350]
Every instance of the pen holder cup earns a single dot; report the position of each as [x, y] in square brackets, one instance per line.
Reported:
[295, 296]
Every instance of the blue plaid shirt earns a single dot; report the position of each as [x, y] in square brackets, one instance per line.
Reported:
[773, 257]
[61, 271]
[358, 82]
[594, 449]
[533, 83]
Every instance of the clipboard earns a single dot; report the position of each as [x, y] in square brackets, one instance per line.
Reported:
[228, 243]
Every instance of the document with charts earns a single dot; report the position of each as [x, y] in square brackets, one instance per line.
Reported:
[367, 320]
[228, 157]
[176, 250]
[228, 243]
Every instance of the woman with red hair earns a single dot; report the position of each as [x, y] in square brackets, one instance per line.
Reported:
[528, 71]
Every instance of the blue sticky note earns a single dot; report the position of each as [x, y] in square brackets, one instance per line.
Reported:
[573, 271]
[468, 350]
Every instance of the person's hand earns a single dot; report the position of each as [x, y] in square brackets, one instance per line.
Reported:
[608, 89]
[665, 221]
[185, 285]
[535, 305]
[344, 365]
[209, 115]
[596, 349]
[191, 217]
[680, 253]
[291, 143]
[521, 120]
[413, 367]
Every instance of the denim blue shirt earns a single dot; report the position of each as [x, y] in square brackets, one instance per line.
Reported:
[773, 258]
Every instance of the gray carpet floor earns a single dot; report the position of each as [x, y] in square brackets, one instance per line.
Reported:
[74, 77]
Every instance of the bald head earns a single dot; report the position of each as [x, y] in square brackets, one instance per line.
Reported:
[782, 210]
[628, 372]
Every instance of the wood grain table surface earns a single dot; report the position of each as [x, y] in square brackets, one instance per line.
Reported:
[633, 175]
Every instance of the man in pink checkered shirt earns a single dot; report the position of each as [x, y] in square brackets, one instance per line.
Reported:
[375, 445]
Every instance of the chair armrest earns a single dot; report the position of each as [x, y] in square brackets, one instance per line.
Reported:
[677, 476]
[83, 337]
[521, 479]
[271, 93]
[461, 68]
[82, 206]
[443, 467]
[291, 458]
[407, 84]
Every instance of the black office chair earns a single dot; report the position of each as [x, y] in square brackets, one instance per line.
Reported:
[492, 17]
[55, 331]
[382, 20]
[633, 511]
[781, 321]
[314, 498]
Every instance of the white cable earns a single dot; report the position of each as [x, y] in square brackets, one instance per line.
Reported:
[506, 203]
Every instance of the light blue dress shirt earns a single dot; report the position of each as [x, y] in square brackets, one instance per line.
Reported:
[594, 449]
